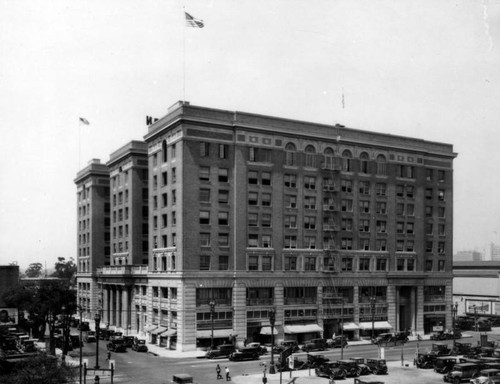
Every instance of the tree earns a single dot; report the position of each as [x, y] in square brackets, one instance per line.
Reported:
[45, 302]
[34, 270]
[65, 269]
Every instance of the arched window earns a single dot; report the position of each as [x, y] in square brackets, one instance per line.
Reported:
[347, 161]
[329, 161]
[164, 151]
[290, 154]
[381, 165]
[310, 156]
[364, 162]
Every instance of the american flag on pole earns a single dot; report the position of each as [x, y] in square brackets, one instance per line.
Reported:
[193, 22]
[83, 120]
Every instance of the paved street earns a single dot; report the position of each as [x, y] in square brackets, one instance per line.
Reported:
[133, 367]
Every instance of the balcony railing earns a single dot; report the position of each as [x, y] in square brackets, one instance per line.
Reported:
[300, 300]
[257, 302]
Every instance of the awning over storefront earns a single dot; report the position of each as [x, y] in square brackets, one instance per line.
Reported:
[376, 325]
[350, 327]
[158, 330]
[218, 333]
[170, 332]
[304, 328]
[267, 331]
[150, 328]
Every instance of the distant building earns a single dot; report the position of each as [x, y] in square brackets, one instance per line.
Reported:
[494, 252]
[468, 256]
[250, 216]
[9, 279]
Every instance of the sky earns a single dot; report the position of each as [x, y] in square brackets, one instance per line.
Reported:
[426, 69]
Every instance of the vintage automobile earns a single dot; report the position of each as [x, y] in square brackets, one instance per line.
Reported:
[139, 345]
[128, 341]
[244, 354]
[425, 360]
[377, 366]
[444, 364]
[261, 350]
[365, 369]
[331, 370]
[315, 345]
[116, 345]
[391, 339]
[84, 326]
[314, 361]
[89, 337]
[460, 348]
[223, 350]
[337, 342]
[489, 376]
[462, 372]
[350, 367]
[285, 345]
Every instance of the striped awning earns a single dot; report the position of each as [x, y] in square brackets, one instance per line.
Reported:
[303, 328]
[149, 328]
[219, 333]
[158, 330]
[376, 325]
[170, 332]
[350, 327]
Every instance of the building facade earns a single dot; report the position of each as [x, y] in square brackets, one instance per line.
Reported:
[324, 226]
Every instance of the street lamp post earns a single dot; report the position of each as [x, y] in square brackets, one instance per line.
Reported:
[454, 309]
[373, 299]
[97, 319]
[272, 321]
[80, 309]
[475, 317]
[212, 311]
[342, 329]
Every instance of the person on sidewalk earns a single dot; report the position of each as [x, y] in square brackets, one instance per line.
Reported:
[217, 369]
[228, 377]
[108, 357]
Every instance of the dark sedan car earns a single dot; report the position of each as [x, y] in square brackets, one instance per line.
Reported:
[331, 370]
[139, 345]
[377, 366]
[117, 345]
[244, 354]
[365, 369]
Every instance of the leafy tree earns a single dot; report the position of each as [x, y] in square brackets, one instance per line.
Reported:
[45, 302]
[65, 269]
[34, 270]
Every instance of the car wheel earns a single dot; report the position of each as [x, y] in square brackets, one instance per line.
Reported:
[375, 371]
[456, 380]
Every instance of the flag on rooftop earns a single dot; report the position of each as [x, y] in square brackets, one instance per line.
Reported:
[193, 22]
[84, 120]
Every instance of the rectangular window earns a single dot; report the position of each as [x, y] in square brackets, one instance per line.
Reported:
[441, 230]
[380, 189]
[290, 201]
[223, 218]
[310, 222]
[290, 221]
[428, 193]
[410, 210]
[400, 227]
[346, 205]
[381, 207]
[381, 226]
[251, 154]
[204, 217]
[441, 247]
[205, 173]
[253, 240]
[428, 246]
[266, 178]
[290, 181]
[223, 240]
[400, 245]
[310, 242]
[253, 198]
[364, 187]
[223, 175]
[346, 186]
[174, 175]
[428, 211]
[164, 198]
[400, 190]
[364, 206]
[346, 264]
[174, 219]
[223, 263]
[267, 263]
[253, 263]
[266, 200]
[428, 265]
[253, 219]
[400, 264]
[309, 182]
[364, 225]
[364, 264]
[441, 266]
[429, 228]
[409, 228]
[204, 149]
[205, 239]
[223, 196]
[253, 177]
[291, 241]
[400, 209]
[441, 194]
[381, 265]
[290, 263]
[309, 263]
[364, 244]
[266, 220]
[164, 220]
[410, 265]
[205, 195]
[223, 151]
[266, 241]
[441, 175]
[204, 263]
[441, 212]
[310, 202]
[410, 245]
[346, 243]
[346, 224]
[174, 197]
[410, 191]
[428, 174]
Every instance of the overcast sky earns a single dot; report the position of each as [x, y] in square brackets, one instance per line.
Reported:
[428, 69]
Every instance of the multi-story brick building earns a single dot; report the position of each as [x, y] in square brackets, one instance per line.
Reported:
[324, 225]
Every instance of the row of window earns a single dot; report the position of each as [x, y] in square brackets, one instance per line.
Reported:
[164, 153]
[164, 241]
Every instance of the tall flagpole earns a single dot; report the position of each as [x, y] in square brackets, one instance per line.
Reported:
[184, 57]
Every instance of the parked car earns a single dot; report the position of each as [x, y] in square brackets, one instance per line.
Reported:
[84, 326]
[314, 361]
[287, 344]
[350, 367]
[139, 345]
[75, 341]
[331, 370]
[244, 354]
[337, 342]
[315, 345]
[490, 376]
[460, 348]
[444, 364]
[90, 337]
[365, 369]
[396, 338]
[261, 350]
[128, 341]
[223, 350]
[116, 345]
[377, 366]
[462, 372]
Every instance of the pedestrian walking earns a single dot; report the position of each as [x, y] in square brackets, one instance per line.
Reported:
[217, 369]
[228, 377]
[108, 357]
